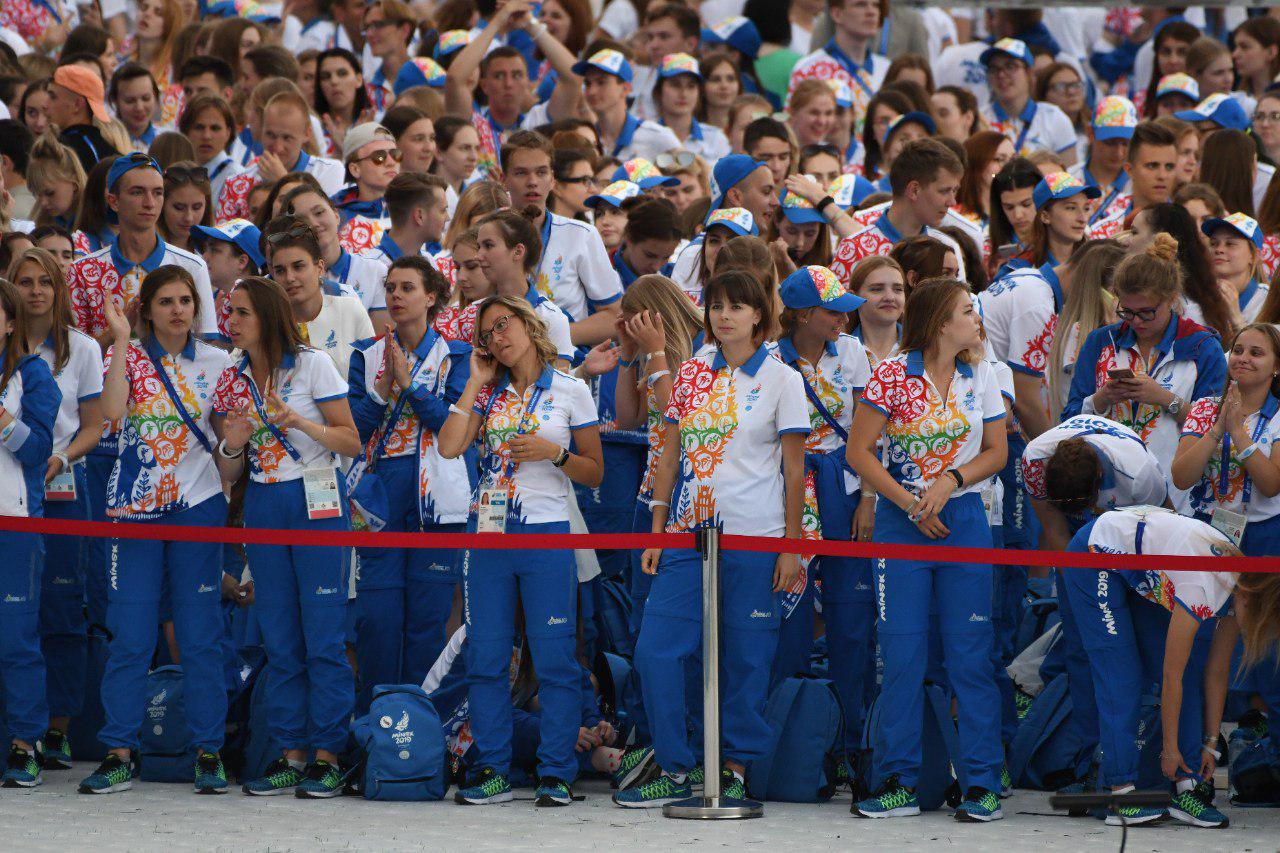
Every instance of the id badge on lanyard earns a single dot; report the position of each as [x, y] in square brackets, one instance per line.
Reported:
[323, 498]
[62, 487]
[1229, 522]
[990, 504]
[491, 514]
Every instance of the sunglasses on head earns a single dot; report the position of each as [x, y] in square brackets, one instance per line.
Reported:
[292, 234]
[187, 174]
[675, 160]
[380, 156]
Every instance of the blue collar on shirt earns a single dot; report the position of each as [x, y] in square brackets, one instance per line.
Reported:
[535, 298]
[158, 352]
[341, 268]
[424, 346]
[1028, 112]
[124, 265]
[853, 69]
[433, 248]
[147, 136]
[892, 234]
[309, 25]
[253, 148]
[787, 350]
[1248, 293]
[625, 135]
[1269, 407]
[304, 160]
[287, 361]
[217, 165]
[750, 367]
[915, 365]
[1128, 339]
[543, 381]
[1050, 273]
[1121, 181]
[389, 247]
[498, 129]
[1108, 470]
[625, 272]
[349, 204]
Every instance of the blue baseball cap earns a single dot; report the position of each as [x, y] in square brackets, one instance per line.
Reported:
[675, 64]
[736, 219]
[1060, 185]
[798, 210]
[614, 194]
[1222, 110]
[419, 71]
[127, 163]
[1114, 118]
[1245, 226]
[1017, 48]
[1178, 84]
[817, 287]
[451, 41]
[923, 119]
[241, 233]
[737, 32]
[609, 61]
[728, 172]
[640, 171]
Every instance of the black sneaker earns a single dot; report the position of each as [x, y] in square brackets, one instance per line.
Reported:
[553, 792]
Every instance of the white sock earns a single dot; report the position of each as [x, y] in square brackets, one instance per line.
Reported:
[678, 778]
[296, 764]
[1185, 785]
[1124, 789]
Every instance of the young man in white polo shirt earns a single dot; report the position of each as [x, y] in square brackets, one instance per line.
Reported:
[1030, 124]
[848, 57]
[606, 83]
[574, 271]
[135, 193]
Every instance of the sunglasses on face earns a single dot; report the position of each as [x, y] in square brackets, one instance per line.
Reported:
[379, 157]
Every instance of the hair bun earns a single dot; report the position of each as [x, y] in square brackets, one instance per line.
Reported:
[1163, 248]
[531, 212]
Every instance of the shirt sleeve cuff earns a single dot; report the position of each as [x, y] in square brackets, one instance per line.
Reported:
[1022, 368]
[376, 397]
[17, 436]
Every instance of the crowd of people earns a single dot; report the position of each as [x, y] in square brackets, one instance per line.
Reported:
[794, 268]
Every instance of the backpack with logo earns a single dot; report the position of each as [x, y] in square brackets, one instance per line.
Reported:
[165, 753]
[806, 738]
[1046, 753]
[939, 741]
[403, 745]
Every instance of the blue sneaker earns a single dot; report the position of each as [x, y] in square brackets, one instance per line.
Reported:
[697, 777]
[322, 781]
[486, 789]
[114, 774]
[211, 776]
[1194, 807]
[1135, 816]
[892, 800]
[280, 778]
[1006, 782]
[732, 785]
[57, 750]
[651, 795]
[553, 792]
[22, 770]
[635, 767]
[979, 806]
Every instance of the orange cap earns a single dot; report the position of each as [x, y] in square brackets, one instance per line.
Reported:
[86, 84]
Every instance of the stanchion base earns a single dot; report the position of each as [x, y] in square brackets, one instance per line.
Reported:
[713, 808]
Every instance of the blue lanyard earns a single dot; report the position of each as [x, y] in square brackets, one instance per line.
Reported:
[1224, 468]
[266, 421]
[851, 68]
[546, 238]
[179, 405]
[510, 470]
[1027, 117]
[398, 408]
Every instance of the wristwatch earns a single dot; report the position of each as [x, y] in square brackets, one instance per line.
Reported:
[1175, 406]
[561, 459]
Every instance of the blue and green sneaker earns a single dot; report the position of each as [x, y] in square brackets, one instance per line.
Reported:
[22, 770]
[892, 800]
[281, 777]
[1006, 782]
[979, 806]
[553, 792]
[635, 767]
[322, 781]
[664, 789]
[1022, 702]
[1135, 816]
[732, 785]
[1194, 807]
[487, 788]
[57, 750]
[113, 774]
[211, 776]
[697, 776]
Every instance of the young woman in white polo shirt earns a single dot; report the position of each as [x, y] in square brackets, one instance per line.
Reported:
[283, 408]
[734, 457]
[76, 362]
[525, 414]
[938, 405]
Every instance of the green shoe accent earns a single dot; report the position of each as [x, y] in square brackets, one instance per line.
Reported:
[57, 750]
[211, 776]
[697, 777]
[22, 770]
[113, 774]
[1022, 703]
[980, 805]
[1135, 816]
[489, 787]
[1006, 782]
[892, 800]
[281, 777]
[662, 790]
[635, 767]
[553, 792]
[731, 786]
[1191, 807]
[323, 780]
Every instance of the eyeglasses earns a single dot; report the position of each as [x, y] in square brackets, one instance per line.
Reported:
[379, 157]
[292, 234]
[186, 175]
[1266, 118]
[585, 180]
[1000, 69]
[669, 160]
[377, 25]
[499, 327]
[1074, 87]
[1146, 315]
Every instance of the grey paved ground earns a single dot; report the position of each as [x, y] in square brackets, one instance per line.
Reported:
[171, 818]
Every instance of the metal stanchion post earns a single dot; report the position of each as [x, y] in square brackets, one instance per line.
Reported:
[711, 806]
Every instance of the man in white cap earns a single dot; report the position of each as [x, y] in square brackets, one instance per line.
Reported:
[372, 161]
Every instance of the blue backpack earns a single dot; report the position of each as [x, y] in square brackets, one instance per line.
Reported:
[260, 748]
[404, 755]
[84, 728]
[165, 753]
[1046, 753]
[613, 616]
[939, 741]
[806, 737]
[1250, 781]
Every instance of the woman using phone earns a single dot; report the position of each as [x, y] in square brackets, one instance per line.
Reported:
[524, 413]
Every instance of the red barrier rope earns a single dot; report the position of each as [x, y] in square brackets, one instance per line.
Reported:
[630, 541]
